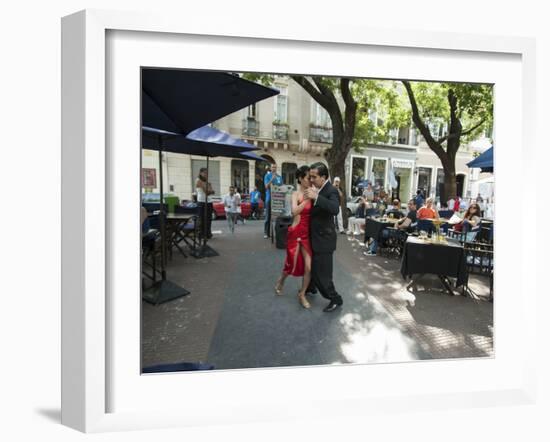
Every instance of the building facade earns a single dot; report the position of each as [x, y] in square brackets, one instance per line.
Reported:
[291, 130]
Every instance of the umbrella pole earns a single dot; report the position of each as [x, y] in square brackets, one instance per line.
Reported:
[161, 217]
[205, 224]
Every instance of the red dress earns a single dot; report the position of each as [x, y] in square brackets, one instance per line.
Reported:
[299, 234]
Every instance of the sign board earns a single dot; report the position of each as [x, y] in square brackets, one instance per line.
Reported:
[281, 200]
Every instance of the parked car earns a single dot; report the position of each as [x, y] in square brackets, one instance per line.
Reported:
[246, 209]
[352, 205]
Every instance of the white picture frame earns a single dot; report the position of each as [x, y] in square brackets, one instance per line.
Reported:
[88, 167]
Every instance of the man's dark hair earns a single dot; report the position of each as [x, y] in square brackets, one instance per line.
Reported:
[413, 202]
[418, 192]
[321, 168]
[301, 172]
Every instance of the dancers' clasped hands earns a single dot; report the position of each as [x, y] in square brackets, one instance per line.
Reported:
[311, 193]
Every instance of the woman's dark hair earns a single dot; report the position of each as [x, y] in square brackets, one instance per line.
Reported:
[476, 213]
[321, 168]
[301, 172]
[201, 170]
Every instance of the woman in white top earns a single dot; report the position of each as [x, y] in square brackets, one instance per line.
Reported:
[203, 190]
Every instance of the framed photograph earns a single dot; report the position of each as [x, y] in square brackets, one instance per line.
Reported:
[104, 387]
[148, 178]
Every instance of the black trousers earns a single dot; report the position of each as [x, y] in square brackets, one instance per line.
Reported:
[205, 223]
[267, 225]
[321, 277]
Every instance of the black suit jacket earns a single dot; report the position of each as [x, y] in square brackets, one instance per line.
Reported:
[321, 230]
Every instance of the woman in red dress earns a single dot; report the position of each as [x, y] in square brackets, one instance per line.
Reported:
[298, 247]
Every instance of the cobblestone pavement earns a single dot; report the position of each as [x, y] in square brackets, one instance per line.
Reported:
[233, 319]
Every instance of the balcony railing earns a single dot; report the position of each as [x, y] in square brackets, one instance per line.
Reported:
[320, 134]
[280, 132]
[251, 128]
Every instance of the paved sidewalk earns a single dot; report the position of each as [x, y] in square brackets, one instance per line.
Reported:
[233, 319]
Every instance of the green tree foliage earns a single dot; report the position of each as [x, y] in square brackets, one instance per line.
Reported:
[466, 109]
[363, 111]
[382, 107]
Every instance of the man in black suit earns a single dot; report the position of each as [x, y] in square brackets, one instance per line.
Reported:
[326, 203]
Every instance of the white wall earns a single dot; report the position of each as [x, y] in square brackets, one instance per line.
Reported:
[30, 315]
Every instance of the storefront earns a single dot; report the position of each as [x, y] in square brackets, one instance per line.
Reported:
[374, 166]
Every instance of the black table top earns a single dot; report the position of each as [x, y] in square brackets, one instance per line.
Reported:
[420, 257]
[374, 227]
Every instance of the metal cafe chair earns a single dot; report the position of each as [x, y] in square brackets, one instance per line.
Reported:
[150, 254]
[480, 259]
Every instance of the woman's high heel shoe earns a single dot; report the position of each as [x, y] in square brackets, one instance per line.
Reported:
[278, 288]
[303, 301]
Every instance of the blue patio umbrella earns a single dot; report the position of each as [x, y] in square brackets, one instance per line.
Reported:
[205, 141]
[483, 161]
[175, 103]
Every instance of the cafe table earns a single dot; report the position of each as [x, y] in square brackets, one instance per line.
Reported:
[445, 259]
[375, 226]
[175, 230]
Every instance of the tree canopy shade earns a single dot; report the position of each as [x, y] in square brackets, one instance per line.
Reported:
[363, 111]
[466, 109]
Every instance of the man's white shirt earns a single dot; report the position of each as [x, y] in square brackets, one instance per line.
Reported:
[321, 188]
[231, 204]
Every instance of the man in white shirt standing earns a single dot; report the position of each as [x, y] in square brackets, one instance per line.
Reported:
[339, 221]
[231, 204]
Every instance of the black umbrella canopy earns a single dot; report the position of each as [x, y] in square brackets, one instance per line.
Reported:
[186, 100]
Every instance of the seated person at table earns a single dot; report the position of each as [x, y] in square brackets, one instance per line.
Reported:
[471, 220]
[380, 205]
[355, 222]
[427, 211]
[144, 221]
[404, 224]
[394, 210]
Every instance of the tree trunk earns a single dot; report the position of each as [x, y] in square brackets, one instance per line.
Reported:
[336, 159]
[450, 185]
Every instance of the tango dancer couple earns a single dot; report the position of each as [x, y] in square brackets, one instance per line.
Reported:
[311, 239]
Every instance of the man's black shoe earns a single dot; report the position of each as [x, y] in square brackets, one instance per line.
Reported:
[331, 307]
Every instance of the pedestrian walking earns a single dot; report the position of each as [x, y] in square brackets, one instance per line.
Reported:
[255, 204]
[231, 204]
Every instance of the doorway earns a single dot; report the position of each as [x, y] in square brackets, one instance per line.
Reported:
[460, 184]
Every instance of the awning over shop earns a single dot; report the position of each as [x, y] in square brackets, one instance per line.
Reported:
[484, 161]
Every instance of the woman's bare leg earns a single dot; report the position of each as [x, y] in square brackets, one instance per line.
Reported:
[307, 270]
[306, 279]
[280, 283]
